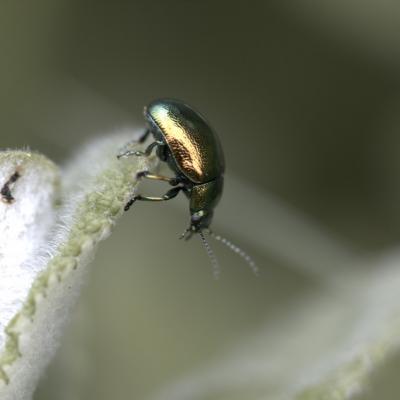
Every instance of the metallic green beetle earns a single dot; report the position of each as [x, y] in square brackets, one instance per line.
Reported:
[186, 142]
[190, 147]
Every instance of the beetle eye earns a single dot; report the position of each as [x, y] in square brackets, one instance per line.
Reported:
[197, 216]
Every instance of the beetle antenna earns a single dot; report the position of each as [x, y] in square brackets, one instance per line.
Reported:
[211, 255]
[183, 236]
[236, 250]
[184, 233]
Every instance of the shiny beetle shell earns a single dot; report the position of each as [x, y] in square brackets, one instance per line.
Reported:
[193, 144]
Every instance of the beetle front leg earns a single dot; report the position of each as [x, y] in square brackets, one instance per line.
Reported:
[125, 153]
[145, 153]
[167, 196]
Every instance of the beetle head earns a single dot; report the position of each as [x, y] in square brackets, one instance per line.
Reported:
[200, 220]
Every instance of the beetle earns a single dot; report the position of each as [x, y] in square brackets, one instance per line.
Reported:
[192, 150]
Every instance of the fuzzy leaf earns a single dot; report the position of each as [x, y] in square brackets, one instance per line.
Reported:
[45, 248]
[324, 347]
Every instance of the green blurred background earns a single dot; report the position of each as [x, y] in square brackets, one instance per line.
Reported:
[305, 98]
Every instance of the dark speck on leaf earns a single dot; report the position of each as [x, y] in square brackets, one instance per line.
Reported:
[5, 191]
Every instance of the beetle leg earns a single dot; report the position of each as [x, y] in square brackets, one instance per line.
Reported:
[125, 152]
[148, 150]
[145, 153]
[167, 196]
[148, 175]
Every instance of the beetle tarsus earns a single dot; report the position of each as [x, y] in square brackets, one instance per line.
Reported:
[126, 153]
[139, 153]
[141, 174]
[129, 203]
